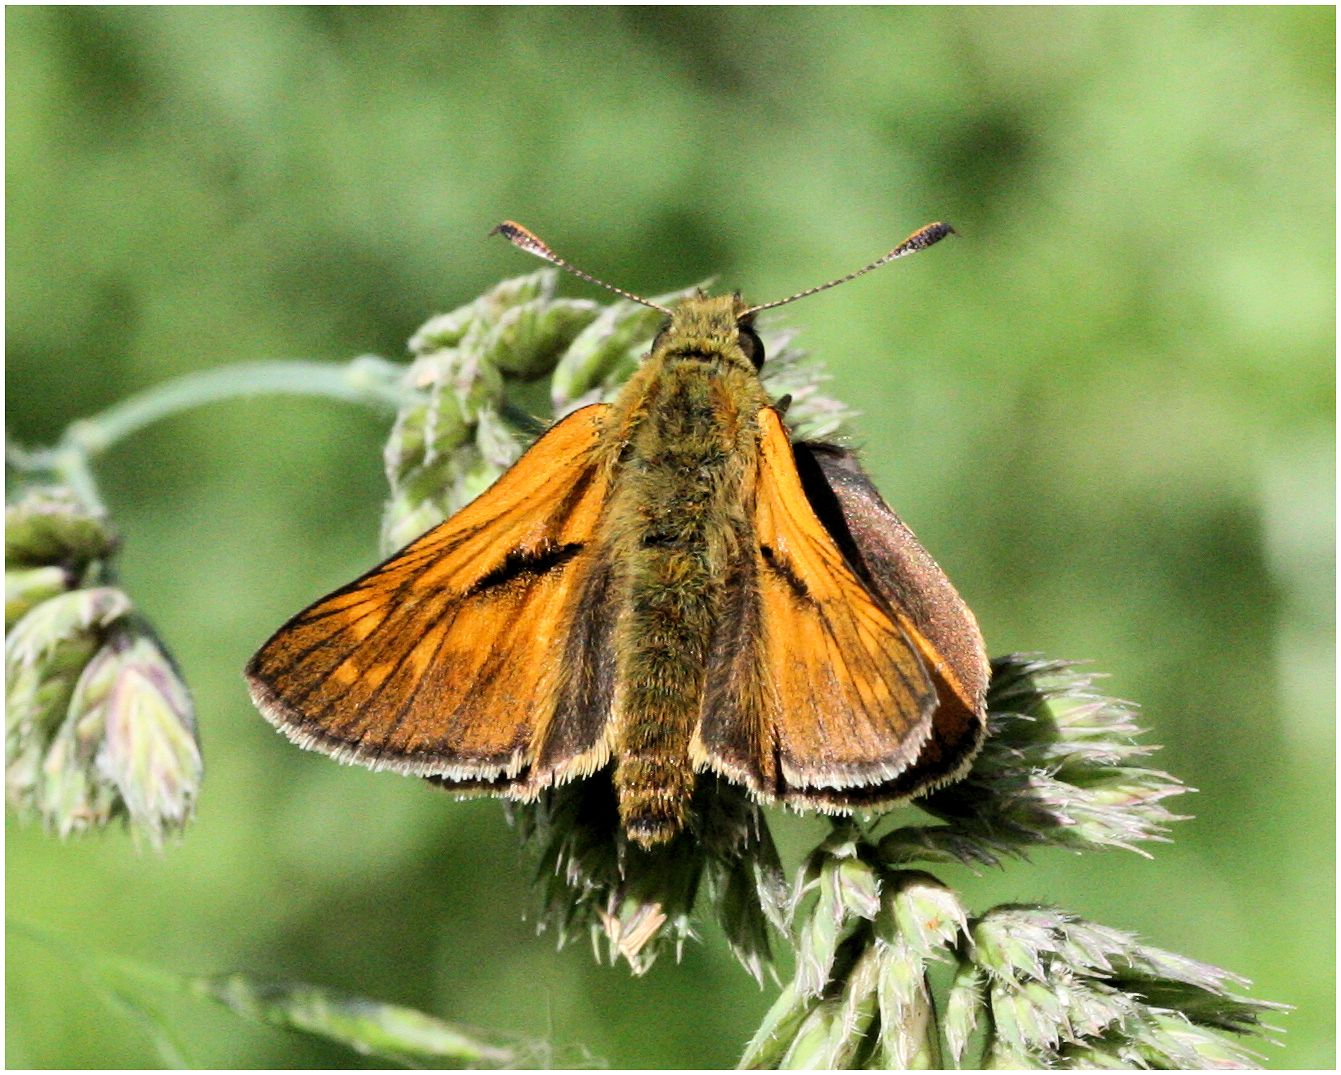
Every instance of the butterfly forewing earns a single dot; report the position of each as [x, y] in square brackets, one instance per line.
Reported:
[449, 659]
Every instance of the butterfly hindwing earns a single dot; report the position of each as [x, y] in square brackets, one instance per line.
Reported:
[887, 555]
[815, 687]
[461, 654]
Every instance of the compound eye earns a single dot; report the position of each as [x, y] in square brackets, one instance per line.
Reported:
[751, 345]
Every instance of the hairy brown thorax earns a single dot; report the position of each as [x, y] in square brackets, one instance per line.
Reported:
[688, 437]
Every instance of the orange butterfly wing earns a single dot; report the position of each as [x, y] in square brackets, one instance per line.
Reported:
[814, 682]
[475, 654]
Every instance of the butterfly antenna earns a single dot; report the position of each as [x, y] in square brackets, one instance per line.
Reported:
[919, 240]
[525, 239]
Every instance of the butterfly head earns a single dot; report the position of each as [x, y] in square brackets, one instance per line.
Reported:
[708, 327]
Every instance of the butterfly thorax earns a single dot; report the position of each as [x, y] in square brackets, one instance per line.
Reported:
[687, 431]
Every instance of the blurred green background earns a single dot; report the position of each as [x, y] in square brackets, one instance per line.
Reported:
[1108, 411]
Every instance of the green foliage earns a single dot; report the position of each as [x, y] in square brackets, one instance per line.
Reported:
[386, 1031]
[97, 723]
[1027, 986]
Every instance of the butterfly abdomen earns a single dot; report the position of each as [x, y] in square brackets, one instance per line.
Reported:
[681, 484]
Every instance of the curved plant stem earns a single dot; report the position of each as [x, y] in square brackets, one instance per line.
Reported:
[367, 380]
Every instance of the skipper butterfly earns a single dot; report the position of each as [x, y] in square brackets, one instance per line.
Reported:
[666, 585]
